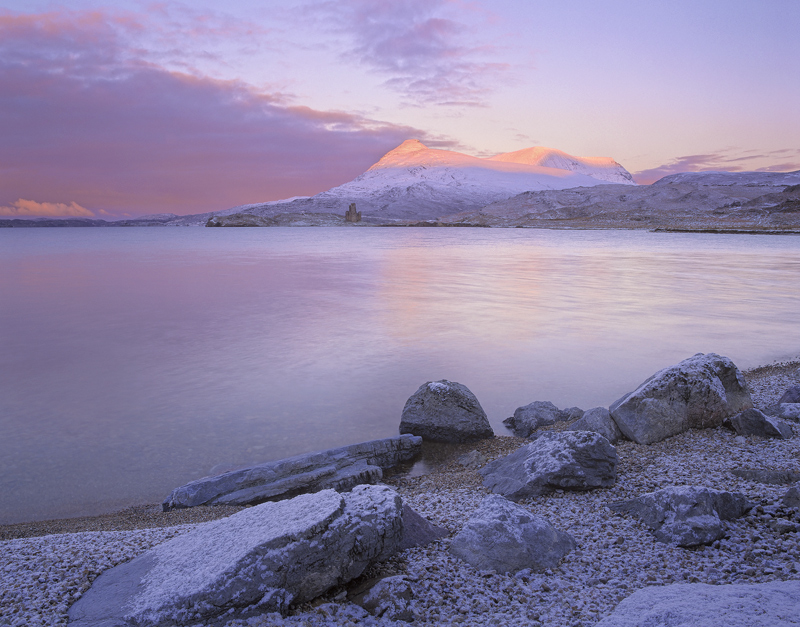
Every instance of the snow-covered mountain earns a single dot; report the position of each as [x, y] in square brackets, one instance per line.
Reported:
[414, 182]
[602, 168]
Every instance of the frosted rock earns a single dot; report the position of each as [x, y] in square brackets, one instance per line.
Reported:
[698, 393]
[792, 395]
[445, 411]
[685, 515]
[259, 560]
[792, 497]
[529, 418]
[568, 460]
[417, 531]
[338, 469]
[755, 422]
[389, 598]
[768, 476]
[773, 604]
[600, 421]
[505, 537]
[785, 411]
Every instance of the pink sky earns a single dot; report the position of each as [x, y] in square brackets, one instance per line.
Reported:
[127, 108]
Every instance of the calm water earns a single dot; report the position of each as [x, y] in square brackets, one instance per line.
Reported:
[135, 360]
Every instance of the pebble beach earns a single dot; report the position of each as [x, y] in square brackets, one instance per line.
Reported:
[46, 566]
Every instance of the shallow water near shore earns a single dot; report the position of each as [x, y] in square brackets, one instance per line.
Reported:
[135, 360]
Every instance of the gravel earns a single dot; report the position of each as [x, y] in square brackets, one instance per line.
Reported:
[616, 555]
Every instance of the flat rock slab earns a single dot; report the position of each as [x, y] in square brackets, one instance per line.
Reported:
[685, 515]
[505, 537]
[698, 393]
[259, 560]
[528, 418]
[445, 411]
[338, 469]
[772, 604]
[567, 460]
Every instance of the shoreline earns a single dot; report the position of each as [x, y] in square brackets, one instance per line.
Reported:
[615, 555]
[150, 516]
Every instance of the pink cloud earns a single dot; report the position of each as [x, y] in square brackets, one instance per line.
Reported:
[27, 208]
[725, 160]
[429, 56]
[83, 117]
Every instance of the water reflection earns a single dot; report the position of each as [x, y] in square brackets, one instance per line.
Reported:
[135, 360]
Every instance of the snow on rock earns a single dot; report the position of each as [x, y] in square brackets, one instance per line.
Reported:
[506, 538]
[698, 393]
[772, 604]
[445, 411]
[567, 460]
[685, 515]
[259, 560]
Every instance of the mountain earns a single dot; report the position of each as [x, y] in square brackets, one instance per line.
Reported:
[721, 179]
[414, 182]
[601, 168]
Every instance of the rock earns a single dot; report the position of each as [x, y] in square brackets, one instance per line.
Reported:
[599, 421]
[445, 411]
[755, 422]
[529, 418]
[792, 395]
[567, 460]
[785, 411]
[507, 538]
[338, 469]
[792, 497]
[259, 560]
[685, 515]
[772, 477]
[571, 414]
[418, 531]
[772, 604]
[472, 460]
[698, 393]
[388, 598]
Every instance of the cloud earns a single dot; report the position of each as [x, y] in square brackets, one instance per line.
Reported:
[426, 48]
[730, 160]
[30, 208]
[84, 116]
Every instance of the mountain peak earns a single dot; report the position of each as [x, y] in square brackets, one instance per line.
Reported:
[410, 145]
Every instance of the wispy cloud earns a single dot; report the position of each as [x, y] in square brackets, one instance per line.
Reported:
[83, 116]
[427, 49]
[28, 208]
[729, 160]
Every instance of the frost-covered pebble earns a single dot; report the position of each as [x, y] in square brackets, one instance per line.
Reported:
[615, 557]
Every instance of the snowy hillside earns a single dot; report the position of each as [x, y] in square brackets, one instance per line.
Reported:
[601, 168]
[756, 179]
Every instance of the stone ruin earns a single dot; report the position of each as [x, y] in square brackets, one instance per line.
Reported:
[352, 215]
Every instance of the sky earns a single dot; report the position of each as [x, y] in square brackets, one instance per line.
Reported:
[127, 108]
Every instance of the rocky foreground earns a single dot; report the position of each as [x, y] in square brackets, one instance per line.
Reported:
[614, 555]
